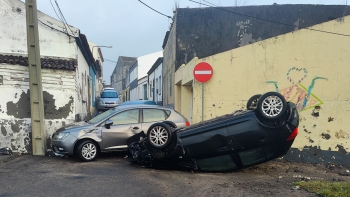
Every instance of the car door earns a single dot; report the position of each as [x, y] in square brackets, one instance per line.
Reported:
[125, 124]
[249, 139]
[151, 116]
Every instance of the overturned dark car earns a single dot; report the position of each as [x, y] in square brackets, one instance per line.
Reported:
[265, 131]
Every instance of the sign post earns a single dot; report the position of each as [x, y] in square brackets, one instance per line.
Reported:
[203, 72]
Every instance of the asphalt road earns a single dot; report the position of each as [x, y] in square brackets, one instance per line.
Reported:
[114, 175]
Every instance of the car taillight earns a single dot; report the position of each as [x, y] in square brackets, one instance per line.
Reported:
[293, 134]
[187, 124]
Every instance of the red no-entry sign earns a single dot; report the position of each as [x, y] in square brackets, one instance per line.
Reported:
[202, 72]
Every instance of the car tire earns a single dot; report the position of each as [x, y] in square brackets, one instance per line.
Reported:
[159, 135]
[87, 150]
[253, 102]
[271, 105]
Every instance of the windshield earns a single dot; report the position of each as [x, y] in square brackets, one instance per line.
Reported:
[109, 94]
[102, 116]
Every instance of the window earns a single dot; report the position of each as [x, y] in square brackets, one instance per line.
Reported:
[150, 89]
[224, 162]
[171, 84]
[252, 156]
[145, 92]
[160, 85]
[153, 115]
[156, 86]
[109, 94]
[126, 117]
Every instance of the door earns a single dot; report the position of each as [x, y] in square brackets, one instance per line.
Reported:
[125, 124]
[249, 139]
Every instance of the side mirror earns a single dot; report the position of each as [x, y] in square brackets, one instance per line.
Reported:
[108, 124]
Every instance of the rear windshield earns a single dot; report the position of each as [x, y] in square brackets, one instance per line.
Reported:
[109, 94]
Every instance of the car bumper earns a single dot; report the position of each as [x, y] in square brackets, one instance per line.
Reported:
[63, 147]
[107, 106]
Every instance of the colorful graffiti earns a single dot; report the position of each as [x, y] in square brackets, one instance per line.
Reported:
[298, 93]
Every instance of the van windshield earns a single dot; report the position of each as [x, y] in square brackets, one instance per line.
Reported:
[109, 94]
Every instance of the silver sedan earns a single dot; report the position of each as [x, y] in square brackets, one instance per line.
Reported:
[109, 131]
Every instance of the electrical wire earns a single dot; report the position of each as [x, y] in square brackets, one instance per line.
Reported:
[262, 19]
[154, 9]
[55, 11]
[66, 24]
[110, 60]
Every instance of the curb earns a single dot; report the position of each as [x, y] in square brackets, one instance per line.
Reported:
[7, 158]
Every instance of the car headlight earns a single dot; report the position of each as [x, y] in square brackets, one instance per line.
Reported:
[61, 135]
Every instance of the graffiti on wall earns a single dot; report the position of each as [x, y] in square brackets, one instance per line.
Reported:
[297, 92]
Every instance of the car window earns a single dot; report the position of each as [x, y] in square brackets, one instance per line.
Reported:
[102, 116]
[109, 94]
[126, 117]
[220, 163]
[168, 112]
[253, 156]
[153, 115]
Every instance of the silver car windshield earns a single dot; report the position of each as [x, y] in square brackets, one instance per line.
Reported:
[102, 116]
[109, 94]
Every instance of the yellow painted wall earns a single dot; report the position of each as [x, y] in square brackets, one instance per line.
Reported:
[304, 55]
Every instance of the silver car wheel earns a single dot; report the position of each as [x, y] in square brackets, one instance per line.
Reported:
[158, 136]
[272, 106]
[89, 151]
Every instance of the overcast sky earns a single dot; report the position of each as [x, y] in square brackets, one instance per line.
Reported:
[131, 28]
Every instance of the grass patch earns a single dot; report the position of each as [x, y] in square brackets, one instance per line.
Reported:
[326, 189]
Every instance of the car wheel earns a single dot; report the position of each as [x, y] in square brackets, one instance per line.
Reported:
[159, 135]
[271, 105]
[253, 102]
[87, 150]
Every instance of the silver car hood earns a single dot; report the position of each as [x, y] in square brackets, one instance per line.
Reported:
[77, 126]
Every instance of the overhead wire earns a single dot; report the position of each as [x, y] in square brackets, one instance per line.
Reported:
[55, 11]
[154, 9]
[65, 22]
[110, 60]
[270, 21]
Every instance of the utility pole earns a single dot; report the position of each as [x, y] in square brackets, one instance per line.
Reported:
[35, 81]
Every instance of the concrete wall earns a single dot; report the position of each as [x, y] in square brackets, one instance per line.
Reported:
[15, 122]
[308, 67]
[202, 32]
[83, 92]
[168, 70]
[66, 92]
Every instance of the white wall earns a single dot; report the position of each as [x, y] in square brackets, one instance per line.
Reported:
[65, 90]
[155, 76]
[141, 88]
[145, 63]
[15, 119]
[13, 38]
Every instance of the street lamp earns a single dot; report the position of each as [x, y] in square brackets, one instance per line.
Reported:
[100, 47]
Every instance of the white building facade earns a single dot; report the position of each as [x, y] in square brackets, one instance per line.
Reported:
[138, 75]
[155, 82]
[66, 81]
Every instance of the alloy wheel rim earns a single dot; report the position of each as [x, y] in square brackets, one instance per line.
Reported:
[272, 106]
[158, 136]
[89, 151]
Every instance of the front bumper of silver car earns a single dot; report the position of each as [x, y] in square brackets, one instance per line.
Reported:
[63, 147]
